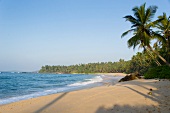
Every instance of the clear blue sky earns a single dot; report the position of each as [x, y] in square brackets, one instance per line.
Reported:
[34, 33]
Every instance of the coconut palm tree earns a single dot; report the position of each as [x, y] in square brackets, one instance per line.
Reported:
[164, 37]
[141, 28]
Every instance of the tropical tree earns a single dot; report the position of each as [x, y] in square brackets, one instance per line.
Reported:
[163, 42]
[141, 28]
[140, 63]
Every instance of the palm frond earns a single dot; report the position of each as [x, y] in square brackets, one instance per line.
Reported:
[153, 10]
[137, 14]
[164, 25]
[154, 23]
[147, 15]
[142, 12]
[168, 25]
[159, 37]
[133, 41]
[127, 32]
[131, 19]
[136, 25]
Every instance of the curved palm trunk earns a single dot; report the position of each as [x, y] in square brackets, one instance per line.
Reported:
[168, 45]
[167, 63]
[156, 61]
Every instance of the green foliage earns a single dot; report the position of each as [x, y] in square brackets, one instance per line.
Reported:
[163, 39]
[103, 67]
[143, 32]
[141, 26]
[162, 72]
[139, 63]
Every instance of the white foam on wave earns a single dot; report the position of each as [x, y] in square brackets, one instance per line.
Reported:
[70, 87]
[88, 81]
[33, 95]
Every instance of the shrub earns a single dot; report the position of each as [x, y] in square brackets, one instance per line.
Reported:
[161, 72]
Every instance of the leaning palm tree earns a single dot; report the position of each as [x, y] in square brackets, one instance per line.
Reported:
[141, 28]
[164, 35]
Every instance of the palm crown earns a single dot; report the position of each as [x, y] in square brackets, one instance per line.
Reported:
[164, 37]
[141, 26]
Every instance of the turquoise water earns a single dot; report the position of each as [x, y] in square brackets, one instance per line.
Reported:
[20, 86]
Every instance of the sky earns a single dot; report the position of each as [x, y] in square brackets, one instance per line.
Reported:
[34, 33]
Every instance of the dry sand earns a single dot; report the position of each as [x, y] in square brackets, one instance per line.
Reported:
[127, 97]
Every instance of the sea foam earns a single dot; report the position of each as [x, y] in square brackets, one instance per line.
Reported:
[69, 87]
[88, 81]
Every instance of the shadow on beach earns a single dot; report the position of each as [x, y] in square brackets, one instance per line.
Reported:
[160, 95]
[51, 103]
[129, 109]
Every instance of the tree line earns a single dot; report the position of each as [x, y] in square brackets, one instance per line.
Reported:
[103, 67]
[144, 32]
[139, 63]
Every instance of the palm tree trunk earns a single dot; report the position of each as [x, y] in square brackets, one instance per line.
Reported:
[156, 61]
[168, 47]
[167, 63]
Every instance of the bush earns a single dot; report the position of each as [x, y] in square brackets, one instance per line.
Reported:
[161, 72]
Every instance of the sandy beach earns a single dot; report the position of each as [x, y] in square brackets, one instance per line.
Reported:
[112, 74]
[127, 97]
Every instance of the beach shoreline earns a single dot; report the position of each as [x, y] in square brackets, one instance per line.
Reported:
[88, 82]
[111, 74]
[131, 96]
[107, 74]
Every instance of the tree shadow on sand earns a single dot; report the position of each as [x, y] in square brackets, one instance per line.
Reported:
[49, 104]
[159, 95]
[129, 109]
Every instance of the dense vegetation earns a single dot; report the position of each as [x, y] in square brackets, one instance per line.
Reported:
[162, 72]
[145, 32]
[139, 63]
[103, 67]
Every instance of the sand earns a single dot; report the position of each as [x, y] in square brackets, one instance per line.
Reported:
[127, 97]
[111, 74]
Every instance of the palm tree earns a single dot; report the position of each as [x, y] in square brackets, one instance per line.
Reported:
[164, 37]
[141, 28]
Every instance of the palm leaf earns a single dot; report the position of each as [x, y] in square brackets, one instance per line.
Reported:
[133, 41]
[131, 19]
[137, 14]
[153, 10]
[154, 23]
[127, 32]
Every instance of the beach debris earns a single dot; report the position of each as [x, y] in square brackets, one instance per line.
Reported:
[132, 76]
[150, 93]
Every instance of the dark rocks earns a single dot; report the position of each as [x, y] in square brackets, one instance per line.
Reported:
[132, 76]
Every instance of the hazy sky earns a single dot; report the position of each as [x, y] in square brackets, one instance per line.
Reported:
[34, 33]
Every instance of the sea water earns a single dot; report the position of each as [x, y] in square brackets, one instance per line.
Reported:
[21, 86]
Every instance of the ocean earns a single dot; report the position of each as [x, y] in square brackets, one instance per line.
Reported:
[21, 86]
